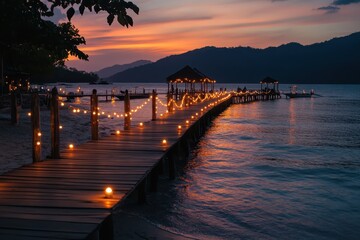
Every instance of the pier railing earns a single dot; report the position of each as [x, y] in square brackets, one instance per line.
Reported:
[59, 102]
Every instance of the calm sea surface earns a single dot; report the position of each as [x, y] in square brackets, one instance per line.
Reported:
[284, 169]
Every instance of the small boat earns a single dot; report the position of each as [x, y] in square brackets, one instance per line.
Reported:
[295, 94]
[102, 81]
[71, 96]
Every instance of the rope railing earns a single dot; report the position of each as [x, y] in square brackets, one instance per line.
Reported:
[96, 113]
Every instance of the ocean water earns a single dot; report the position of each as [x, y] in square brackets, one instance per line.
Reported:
[283, 169]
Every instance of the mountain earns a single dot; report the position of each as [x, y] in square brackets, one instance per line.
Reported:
[64, 74]
[109, 71]
[333, 61]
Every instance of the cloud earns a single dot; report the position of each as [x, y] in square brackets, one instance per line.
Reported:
[58, 16]
[329, 9]
[345, 2]
[333, 7]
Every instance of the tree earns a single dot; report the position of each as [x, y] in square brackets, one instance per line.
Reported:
[32, 44]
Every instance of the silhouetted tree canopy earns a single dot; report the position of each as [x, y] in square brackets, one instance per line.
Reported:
[30, 43]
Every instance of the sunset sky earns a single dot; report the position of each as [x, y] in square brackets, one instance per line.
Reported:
[171, 27]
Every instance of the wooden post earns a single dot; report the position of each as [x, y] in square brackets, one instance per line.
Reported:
[106, 231]
[94, 116]
[36, 133]
[142, 192]
[170, 103]
[171, 162]
[154, 176]
[55, 124]
[14, 109]
[154, 96]
[127, 120]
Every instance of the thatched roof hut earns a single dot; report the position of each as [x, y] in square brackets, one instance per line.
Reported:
[269, 80]
[190, 76]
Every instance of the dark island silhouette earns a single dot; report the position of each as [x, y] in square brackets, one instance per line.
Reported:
[333, 61]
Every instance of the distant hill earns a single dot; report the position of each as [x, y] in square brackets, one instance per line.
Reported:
[64, 74]
[109, 71]
[333, 61]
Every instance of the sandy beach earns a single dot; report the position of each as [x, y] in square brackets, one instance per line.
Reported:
[15, 140]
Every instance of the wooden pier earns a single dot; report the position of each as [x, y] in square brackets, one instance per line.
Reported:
[64, 198]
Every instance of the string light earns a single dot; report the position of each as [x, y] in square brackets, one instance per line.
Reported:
[185, 101]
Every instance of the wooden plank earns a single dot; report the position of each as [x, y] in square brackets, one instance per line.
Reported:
[82, 216]
[41, 228]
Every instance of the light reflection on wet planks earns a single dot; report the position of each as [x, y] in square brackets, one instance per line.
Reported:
[64, 199]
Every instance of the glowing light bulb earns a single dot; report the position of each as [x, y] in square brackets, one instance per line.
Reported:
[141, 124]
[117, 132]
[71, 146]
[164, 141]
[29, 114]
[179, 127]
[38, 143]
[60, 127]
[187, 121]
[74, 111]
[108, 192]
[62, 104]
[39, 134]
[85, 112]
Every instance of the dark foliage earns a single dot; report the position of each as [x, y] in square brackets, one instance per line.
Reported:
[63, 74]
[31, 44]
